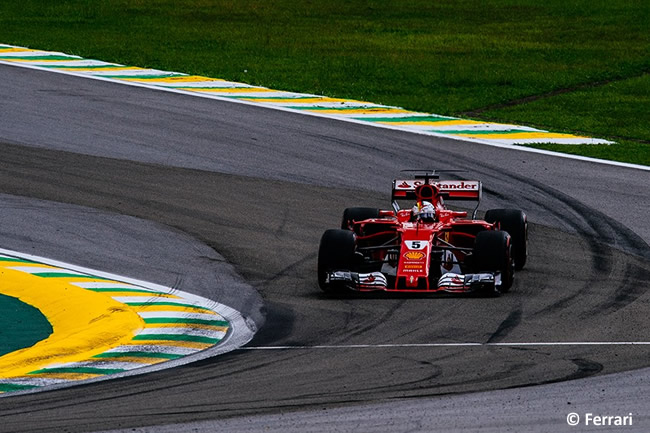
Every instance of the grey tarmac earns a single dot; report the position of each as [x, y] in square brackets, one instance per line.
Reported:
[215, 182]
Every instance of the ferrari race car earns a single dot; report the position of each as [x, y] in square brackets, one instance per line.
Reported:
[428, 248]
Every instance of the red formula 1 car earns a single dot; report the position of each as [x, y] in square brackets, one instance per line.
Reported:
[425, 249]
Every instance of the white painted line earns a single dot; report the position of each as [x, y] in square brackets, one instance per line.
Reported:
[330, 104]
[474, 127]
[100, 364]
[400, 115]
[425, 345]
[174, 350]
[216, 84]
[130, 72]
[153, 299]
[197, 332]
[69, 63]
[108, 285]
[179, 315]
[244, 94]
[44, 270]
[31, 53]
[568, 141]
[36, 381]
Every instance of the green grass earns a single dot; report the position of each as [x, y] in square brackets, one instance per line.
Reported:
[21, 325]
[619, 111]
[446, 57]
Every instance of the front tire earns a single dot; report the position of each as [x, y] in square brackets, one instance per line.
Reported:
[336, 252]
[515, 223]
[492, 253]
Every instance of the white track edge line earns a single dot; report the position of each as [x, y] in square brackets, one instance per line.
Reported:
[425, 345]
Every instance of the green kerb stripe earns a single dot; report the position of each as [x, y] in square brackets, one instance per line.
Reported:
[99, 67]
[221, 95]
[8, 387]
[64, 275]
[175, 337]
[189, 321]
[407, 119]
[166, 304]
[365, 107]
[275, 97]
[215, 90]
[143, 77]
[138, 355]
[484, 132]
[14, 260]
[119, 289]
[39, 57]
[79, 370]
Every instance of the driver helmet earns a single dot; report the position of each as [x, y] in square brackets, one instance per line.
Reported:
[424, 211]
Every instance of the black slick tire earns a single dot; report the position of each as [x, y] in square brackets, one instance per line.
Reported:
[515, 223]
[492, 253]
[336, 252]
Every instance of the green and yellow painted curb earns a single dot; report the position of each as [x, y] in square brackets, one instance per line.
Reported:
[343, 109]
[106, 326]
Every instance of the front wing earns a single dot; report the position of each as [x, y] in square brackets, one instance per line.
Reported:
[486, 283]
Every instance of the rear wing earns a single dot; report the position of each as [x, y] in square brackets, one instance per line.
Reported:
[465, 190]
[449, 189]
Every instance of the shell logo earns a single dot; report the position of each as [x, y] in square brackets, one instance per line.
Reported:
[414, 255]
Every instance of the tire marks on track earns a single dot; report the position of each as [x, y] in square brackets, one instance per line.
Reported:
[610, 273]
[188, 200]
[509, 323]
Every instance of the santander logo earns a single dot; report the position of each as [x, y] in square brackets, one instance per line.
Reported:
[470, 185]
[444, 185]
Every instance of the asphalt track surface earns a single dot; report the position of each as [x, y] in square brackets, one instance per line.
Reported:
[93, 172]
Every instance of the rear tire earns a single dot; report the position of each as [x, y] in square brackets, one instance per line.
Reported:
[515, 223]
[357, 214]
[492, 253]
[336, 252]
